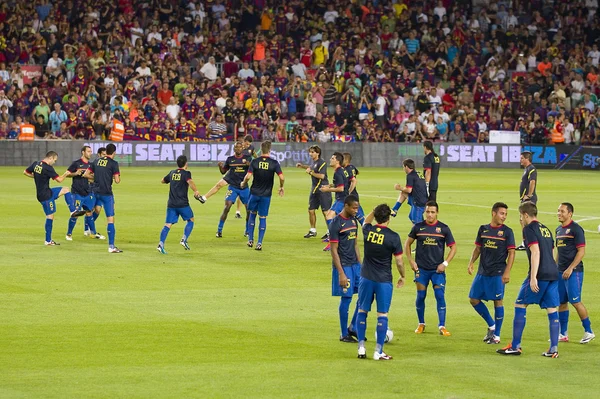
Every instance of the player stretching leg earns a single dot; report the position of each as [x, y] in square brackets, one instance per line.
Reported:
[429, 264]
[180, 180]
[318, 174]
[41, 172]
[415, 191]
[495, 248]
[234, 170]
[381, 244]
[262, 171]
[570, 250]
[345, 271]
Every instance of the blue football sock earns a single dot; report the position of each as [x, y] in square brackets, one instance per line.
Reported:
[563, 317]
[554, 329]
[72, 222]
[441, 305]
[70, 201]
[110, 229]
[518, 326]
[48, 228]
[343, 310]
[262, 229]
[361, 327]
[382, 327]
[352, 325]
[95, 215]
[397, 206]
[499, 319]
[485, 313]
[91, 224]
[420, 304]
[251, 225]
[221, 224]
[163, 235]
[187, 231]
[587, 325]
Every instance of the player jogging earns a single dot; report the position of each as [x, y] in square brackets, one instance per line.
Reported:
[339, 187]
[83, 195]
[415, 191]
[528, 186]
[570, 250]
[352, 173]
[540, 286]
[317, 171]
[429, 263]
[93, 187]
[381, 244]
[105, 170]
[262, 170]
[431, 167]
[234, 170]
[179, 181]
[41, 172]
[495, 248]
[249, 152]
[345, 271]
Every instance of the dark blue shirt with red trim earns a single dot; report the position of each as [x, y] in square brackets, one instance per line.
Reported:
[104, 170]
[494, 243]
[416, 181]
[263, 170]
[537, 233]
[42, 173]
[352, 173]
[178, 189]
[340, 179]
[80, 185]
[381, 244]
[343, 232]
[432, 163]
[431, 239]
[236, 169]
[569, 239]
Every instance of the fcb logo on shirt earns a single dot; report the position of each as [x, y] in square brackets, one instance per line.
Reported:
[568, 231]
[438, 229]
[500, 233]
[354, 222]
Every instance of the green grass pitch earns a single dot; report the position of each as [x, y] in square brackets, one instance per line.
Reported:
[223, 320]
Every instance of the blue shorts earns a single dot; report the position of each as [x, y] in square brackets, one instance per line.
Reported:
[353, 275]
[570, 290]
[369, 290]
[49, 206]
[233, 193]
[487, 288]
[259, 204]
[424, 276]
[87, 202]
[546, 297]
[416, 214]
[174, 213]
[337, 207]
[108, 203]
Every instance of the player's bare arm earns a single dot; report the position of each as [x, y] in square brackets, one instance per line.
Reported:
[442, 266]
[337, 263]
[407, 249]
[535, 265]
[474, 257]
[578, 258]
[400, 267]
[281, 182]
[26, 173]
[117, 178]
[509, 264]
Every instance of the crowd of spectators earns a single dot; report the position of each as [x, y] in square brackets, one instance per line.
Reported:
[302, 70]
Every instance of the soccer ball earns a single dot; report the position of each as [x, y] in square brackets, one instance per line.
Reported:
[389, 335]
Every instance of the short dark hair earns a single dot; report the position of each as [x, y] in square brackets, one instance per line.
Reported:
[51, 154]
[84, 148]
[181, 161]
[382, 213]
[339, 156]
[265, 147]
[350, 199]
[315, 148]
[528, 208]
[111, 149]
[348, 156]
[101, 150]
[526, 155]
[569, 206]
[499, 205]
[433, 203]
[409, 163]
[248, 138]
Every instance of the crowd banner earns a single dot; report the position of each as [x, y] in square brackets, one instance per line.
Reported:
[384, 155]
[31, 73]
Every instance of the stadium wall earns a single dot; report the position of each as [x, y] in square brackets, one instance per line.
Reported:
[144, 153]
